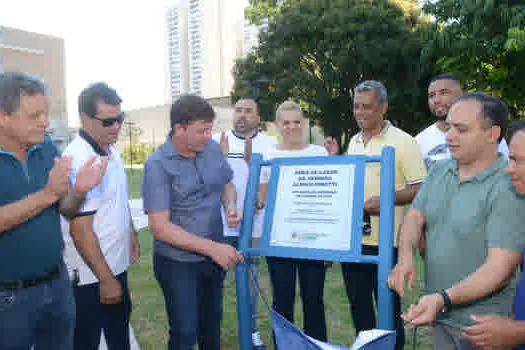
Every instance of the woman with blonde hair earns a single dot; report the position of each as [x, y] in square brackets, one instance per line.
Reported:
[283, 271]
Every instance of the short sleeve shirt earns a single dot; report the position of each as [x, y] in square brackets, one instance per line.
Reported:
[465, 219]
[261, 144]
[34, 247]
[191, 189]
[107, 203]
[433, 145]
[409, 169]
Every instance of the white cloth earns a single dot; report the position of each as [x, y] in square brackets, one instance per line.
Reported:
[309, 151]
[261, 143]
[108, 202]
[433, 145]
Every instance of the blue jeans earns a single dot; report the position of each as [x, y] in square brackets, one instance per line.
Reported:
[193, 295]
[92, 317]
[42, 316]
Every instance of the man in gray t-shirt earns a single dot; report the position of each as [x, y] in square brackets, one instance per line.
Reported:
[186, 180]
[475, 232]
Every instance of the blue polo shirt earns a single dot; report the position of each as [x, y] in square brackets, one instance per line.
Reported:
[35, 247]
[191, 189]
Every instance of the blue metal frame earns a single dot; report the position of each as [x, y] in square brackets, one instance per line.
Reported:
[384, 260]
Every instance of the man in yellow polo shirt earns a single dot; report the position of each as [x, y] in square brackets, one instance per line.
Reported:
[370, 105]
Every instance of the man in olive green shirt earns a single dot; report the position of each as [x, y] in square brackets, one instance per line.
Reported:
[475, 232]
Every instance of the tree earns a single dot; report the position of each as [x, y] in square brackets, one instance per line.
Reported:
[483, 42]
[315, 52]
[131, 132]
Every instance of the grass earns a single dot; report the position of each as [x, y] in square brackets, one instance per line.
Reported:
[151, 326]
[134, 182]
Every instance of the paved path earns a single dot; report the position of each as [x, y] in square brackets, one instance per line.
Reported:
[140, 220]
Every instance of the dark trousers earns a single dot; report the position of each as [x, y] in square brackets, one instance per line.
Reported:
[93, 317]
[193, 294]
[361, 283]
[283, 272]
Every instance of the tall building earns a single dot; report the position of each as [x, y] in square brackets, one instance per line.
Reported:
[177, 49]
[212, 32]
[43, 56]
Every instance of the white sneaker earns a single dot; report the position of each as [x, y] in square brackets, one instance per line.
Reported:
[257, 341]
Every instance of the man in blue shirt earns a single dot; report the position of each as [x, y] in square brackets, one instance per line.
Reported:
[186, 180]
[36, 302]
[493, 331]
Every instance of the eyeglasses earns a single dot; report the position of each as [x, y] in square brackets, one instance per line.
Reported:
[108, 122]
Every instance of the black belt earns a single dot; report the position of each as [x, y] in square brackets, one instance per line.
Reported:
[16, 284]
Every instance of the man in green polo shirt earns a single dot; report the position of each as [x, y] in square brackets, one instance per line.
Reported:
[475, 232]
[36, 301]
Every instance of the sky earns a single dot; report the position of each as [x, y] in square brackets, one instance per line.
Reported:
[117, 41]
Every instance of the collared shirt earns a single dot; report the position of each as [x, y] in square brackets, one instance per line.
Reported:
[409, 169]
[191, 189]
[108, 203]
[261, 144]
[34, 247]
[464, 219]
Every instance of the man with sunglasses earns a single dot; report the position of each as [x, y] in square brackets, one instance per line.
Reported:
[102, 231]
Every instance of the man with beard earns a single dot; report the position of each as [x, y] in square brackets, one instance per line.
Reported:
[496, 331]
[442, 92]
[475, 234]
[237, 145]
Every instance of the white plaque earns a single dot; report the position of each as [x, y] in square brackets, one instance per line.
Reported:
[313, 207]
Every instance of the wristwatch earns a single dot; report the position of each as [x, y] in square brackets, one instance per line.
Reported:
[446, 298]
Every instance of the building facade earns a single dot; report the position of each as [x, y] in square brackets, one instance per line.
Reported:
[43, 56]
[214, 34]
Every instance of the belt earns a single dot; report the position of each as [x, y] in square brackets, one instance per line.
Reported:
[17, 284]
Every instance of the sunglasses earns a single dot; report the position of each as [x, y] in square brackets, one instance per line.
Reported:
[108, 122]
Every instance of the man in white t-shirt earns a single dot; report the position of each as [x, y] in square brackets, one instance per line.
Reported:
[238, 144]
[100, 239]
[442, 92]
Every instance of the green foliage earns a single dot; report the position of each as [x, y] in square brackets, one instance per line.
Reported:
[483, 42]
[138, 153]
[316, 51]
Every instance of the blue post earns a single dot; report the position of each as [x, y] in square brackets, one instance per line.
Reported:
[242, 270]
[385, 302]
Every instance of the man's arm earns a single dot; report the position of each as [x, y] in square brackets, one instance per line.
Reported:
[71, 203]
[495, 273]
[164, 230]
[233, 214]
[229, 196]
[495, 332]
[407, 194]
[261, 196]
[409, 236]
[87, 178]
[402, 197]
[87, 244]
[134, 241]
[16, 213]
